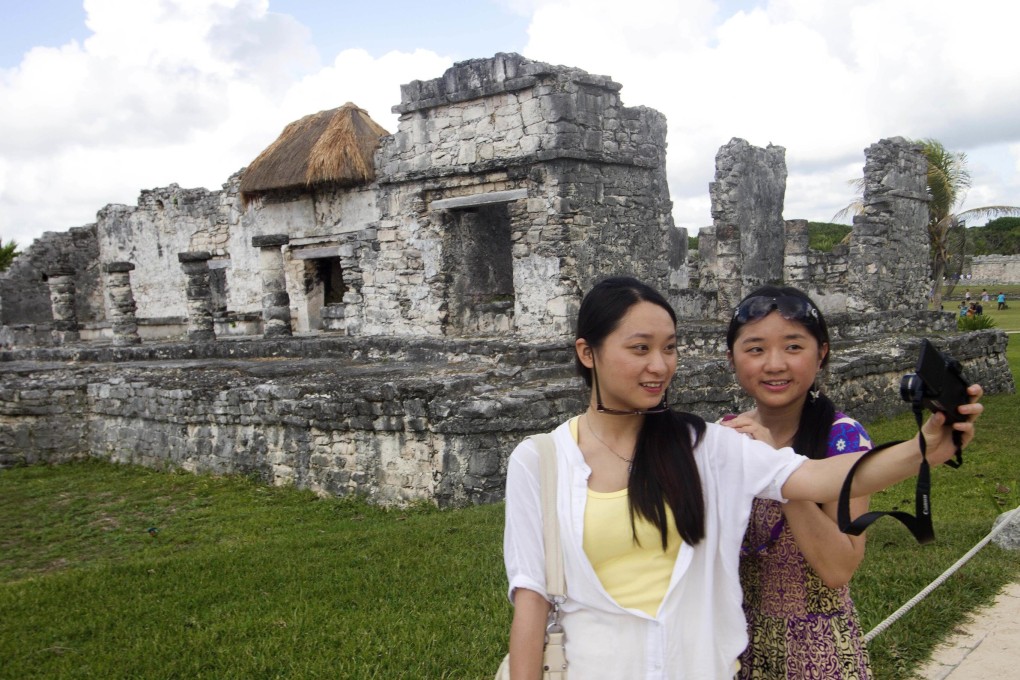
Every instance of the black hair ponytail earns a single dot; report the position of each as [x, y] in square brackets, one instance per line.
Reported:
[665, 474]
[812, 438]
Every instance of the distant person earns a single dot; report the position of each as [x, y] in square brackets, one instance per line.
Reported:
[963, 309]
[984, 296]
[1001, 299]
[972, 309]
[979, 309]
[966, 295]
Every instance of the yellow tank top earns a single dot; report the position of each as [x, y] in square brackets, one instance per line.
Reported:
[635, 573]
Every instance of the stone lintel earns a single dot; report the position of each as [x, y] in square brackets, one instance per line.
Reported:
[219, 263]
[60, 270]
[118, 267]
[522, 161]
[489, 198]
[194, 256]
[270, 240]
[315, 253]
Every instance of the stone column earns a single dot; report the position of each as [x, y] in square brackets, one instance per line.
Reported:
[199, 294]
[275, 300]
[60, 279]
[708, 258]
[747, 213]
[728, 261]
[796, 268]
[120, 303]
[888, 255]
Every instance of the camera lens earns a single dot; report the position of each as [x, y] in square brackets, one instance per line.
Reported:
[910, 387]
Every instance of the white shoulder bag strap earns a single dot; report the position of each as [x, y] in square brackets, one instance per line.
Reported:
[554, 658]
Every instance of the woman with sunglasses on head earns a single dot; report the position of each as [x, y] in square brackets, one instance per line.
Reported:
[652, 505]
[795, 562]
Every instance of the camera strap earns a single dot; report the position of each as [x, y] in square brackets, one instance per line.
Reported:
[919, 523]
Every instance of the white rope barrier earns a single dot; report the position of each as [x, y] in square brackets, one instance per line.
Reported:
[880, 628]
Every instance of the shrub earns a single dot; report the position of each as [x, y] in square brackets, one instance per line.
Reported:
[975, 323]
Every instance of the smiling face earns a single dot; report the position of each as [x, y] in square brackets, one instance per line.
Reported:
[635, 362]
[776, 362]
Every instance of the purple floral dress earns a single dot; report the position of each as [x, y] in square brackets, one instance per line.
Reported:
[797, 626]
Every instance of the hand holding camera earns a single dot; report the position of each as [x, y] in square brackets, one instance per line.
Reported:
[940, 386]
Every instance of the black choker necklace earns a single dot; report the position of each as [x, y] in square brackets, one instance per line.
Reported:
[601, 408]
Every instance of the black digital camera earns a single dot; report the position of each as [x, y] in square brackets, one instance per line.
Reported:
[938, 384]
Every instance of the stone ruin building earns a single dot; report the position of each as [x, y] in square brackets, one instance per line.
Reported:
[388, 314]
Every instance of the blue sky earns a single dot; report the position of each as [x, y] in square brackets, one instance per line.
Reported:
[104, 98]
[467, 27]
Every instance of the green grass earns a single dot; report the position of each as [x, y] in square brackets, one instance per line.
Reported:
[238, 580]
[965, 503]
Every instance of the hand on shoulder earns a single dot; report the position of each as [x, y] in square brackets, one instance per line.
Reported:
[747, 425]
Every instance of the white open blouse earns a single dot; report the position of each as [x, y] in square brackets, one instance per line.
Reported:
[700, 629]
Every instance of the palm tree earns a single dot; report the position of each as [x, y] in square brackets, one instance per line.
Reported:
[948, 182]
[8, 251]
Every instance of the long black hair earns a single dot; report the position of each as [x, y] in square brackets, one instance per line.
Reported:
[812, 437]
[664, 471]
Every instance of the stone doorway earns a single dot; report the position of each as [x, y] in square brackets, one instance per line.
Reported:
[479, 263]
[324, 292]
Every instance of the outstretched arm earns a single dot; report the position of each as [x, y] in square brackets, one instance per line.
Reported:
[821, 480]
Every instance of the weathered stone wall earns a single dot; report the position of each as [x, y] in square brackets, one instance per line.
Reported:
[25, 296]
[888, 253]
[510, 186]
[995, 269]
[436, 421]
[168, 221]
[747, 213]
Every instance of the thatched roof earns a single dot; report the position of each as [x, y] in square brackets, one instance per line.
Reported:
[334, 146]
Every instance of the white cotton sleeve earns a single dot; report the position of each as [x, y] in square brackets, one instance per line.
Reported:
[523, 549]
[759, 469]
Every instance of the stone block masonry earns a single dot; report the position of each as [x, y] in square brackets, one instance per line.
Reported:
[394, 421]
[888, 255]
[992, 269]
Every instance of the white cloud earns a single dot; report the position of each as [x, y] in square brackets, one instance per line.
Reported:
[172, 91]
[825, 80]
[188, 91]
[373, 84]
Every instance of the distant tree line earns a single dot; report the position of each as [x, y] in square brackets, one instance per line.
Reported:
[821, 236]
[1000, 236]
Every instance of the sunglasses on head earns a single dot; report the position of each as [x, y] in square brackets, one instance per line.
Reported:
[790, 307]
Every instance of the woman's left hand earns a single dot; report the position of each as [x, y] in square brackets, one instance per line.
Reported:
[745, 424]
[939, 437]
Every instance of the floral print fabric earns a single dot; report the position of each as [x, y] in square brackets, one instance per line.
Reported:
[797, 626]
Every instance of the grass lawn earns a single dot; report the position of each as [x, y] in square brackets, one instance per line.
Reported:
[121, 572]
